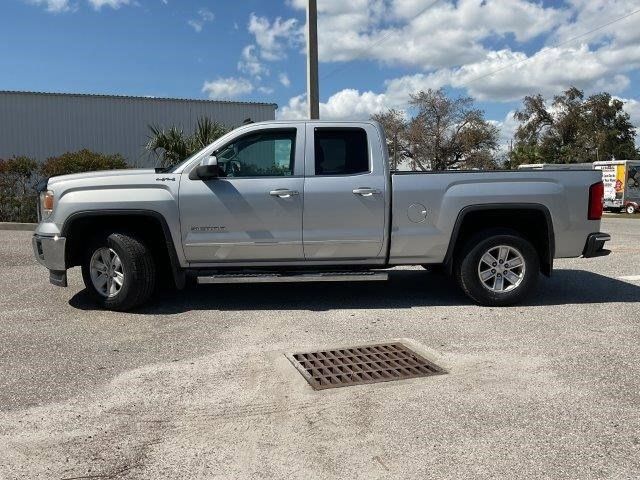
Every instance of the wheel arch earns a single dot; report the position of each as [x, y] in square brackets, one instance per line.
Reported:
[533, 221]
[149, 224]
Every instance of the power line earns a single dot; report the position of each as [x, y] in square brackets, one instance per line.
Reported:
[524, 60]
[555, 46]
[604, 25]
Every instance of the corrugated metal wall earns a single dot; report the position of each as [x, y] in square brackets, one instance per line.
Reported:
[45, 125]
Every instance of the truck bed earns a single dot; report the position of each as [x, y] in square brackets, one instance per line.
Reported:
[563, 195]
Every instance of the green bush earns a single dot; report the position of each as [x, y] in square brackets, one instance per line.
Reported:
[82, 161]
[18, 197]
[19, 177]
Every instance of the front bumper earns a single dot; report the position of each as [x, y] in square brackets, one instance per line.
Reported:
[50, 252]
[594, 247]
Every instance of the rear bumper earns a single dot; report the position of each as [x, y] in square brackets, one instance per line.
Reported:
[50, 252]
[594, 247]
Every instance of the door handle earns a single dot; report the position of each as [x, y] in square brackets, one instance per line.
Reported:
[283, 193]
[366, 191]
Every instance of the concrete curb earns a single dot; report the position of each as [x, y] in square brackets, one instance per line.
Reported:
[26, 227]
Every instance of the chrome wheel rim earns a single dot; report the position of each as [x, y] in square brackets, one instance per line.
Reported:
[107, 274]
[501, 269]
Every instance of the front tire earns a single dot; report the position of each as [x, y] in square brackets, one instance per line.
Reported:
[498, 269]
[119, 272]
[630, 209]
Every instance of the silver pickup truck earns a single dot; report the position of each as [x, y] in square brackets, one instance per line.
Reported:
[312, 201]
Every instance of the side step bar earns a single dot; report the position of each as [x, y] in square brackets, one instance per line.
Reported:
[294, 277]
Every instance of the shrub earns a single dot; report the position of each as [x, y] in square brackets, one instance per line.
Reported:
[18, 197]
[19, 177]
[82, 161]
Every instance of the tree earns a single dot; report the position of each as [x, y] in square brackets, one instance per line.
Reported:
[445, 133]
[395, 127]
[172, 145]
[572, 129]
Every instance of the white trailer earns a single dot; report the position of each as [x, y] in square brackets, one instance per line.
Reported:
[621, 184]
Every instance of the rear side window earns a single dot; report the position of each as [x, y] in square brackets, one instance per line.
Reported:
[341, 151]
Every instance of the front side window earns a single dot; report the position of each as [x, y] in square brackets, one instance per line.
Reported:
[264, 154]
[341, 151]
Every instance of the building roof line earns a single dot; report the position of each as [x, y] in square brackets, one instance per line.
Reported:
[133, 97]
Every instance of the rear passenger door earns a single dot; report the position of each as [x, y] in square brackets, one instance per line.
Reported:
[344, 194]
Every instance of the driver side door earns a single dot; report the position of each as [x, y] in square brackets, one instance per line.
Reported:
[252, 213]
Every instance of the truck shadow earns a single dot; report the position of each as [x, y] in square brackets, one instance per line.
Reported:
[406, 289]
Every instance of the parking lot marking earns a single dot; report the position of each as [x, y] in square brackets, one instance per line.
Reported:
[631, 278]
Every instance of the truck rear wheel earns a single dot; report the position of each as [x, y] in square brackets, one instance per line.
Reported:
[119, 272]
[630, 209]
[498, 268]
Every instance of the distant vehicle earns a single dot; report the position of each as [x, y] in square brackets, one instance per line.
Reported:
[312, 201]
[621, 180]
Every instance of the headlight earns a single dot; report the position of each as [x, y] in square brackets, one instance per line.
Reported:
[46, 203]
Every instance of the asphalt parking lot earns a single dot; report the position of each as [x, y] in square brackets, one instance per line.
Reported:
[197, 385]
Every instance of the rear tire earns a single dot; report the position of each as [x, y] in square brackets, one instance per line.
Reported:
[630, 209]
[497, 268]
[119, 272]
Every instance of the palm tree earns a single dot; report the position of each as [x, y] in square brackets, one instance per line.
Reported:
[207, 131]
[172, 145]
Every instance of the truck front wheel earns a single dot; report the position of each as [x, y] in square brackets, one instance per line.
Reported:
[498, 268]
[119, 272]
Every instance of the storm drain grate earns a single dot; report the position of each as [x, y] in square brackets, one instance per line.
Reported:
[359, 365]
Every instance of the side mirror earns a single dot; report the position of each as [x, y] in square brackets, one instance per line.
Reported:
[207, 170]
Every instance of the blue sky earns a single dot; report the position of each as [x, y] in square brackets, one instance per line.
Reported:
[373, 52]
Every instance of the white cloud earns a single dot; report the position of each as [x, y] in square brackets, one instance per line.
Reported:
[423, 33]
[231, 87]
[53, 6]
[204, 16]
[505, 75]
[274, 37]
[115, 4]
[250, 64]
[265, 90]
[197, 25]
[57, 6]
[346, 104]
[507, 128]
[284, 80]
[592, 15]
[448, 43]
[632, 107]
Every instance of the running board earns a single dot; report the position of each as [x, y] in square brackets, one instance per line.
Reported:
[294, 277]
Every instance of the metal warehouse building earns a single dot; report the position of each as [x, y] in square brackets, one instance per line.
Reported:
[42, 125]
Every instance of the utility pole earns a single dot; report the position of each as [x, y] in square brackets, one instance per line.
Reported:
[313, 95]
